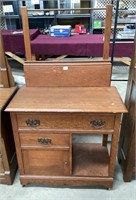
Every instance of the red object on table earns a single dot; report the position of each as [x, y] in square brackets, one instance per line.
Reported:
[79, 28]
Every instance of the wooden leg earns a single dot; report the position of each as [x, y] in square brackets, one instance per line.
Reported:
[105, 140]
[33, 57]
[44, 57]
[37, 56]
[114, 145]
[60, 58]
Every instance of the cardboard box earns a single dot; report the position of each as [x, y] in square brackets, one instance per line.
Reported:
[60, 30]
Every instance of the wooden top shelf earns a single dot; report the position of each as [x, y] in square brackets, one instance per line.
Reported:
[67, 99]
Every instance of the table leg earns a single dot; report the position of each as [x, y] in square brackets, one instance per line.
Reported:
[105, 140]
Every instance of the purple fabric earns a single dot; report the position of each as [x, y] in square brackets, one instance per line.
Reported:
[49, 45]
[15, 42]
[77, 45]
[123, 49]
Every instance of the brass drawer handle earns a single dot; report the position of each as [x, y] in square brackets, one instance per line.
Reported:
[44, 141]
[33, 122]
[98, 123]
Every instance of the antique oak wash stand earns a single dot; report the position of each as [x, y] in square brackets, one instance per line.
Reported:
[45, 119]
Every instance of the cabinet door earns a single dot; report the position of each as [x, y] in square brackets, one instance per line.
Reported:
[51, 162]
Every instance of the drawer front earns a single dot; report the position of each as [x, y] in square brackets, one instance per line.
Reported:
[65, 120]
[44, 139]
[42, 162]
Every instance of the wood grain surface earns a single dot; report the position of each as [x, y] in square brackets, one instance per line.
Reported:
[67, 99]
[5, 95]
[67, 74]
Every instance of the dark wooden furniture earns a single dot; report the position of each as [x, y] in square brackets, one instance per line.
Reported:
[126, 152]
[45, 119]
[8, 160]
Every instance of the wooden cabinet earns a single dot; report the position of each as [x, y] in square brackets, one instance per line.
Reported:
[126, 152]
[44, 128]
[46, 162]
[8, 161]
[45, 153]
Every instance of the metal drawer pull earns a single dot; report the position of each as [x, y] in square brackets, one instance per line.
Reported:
[44, 141]
[33, 122]
[98, 123]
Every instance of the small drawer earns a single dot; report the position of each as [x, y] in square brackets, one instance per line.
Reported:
[65, 121]
[44, 139]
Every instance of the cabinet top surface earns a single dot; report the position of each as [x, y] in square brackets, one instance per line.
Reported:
[5, 95]
[67, 99]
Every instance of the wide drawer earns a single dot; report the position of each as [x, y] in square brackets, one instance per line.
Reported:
[44, 139]
[65, 121]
